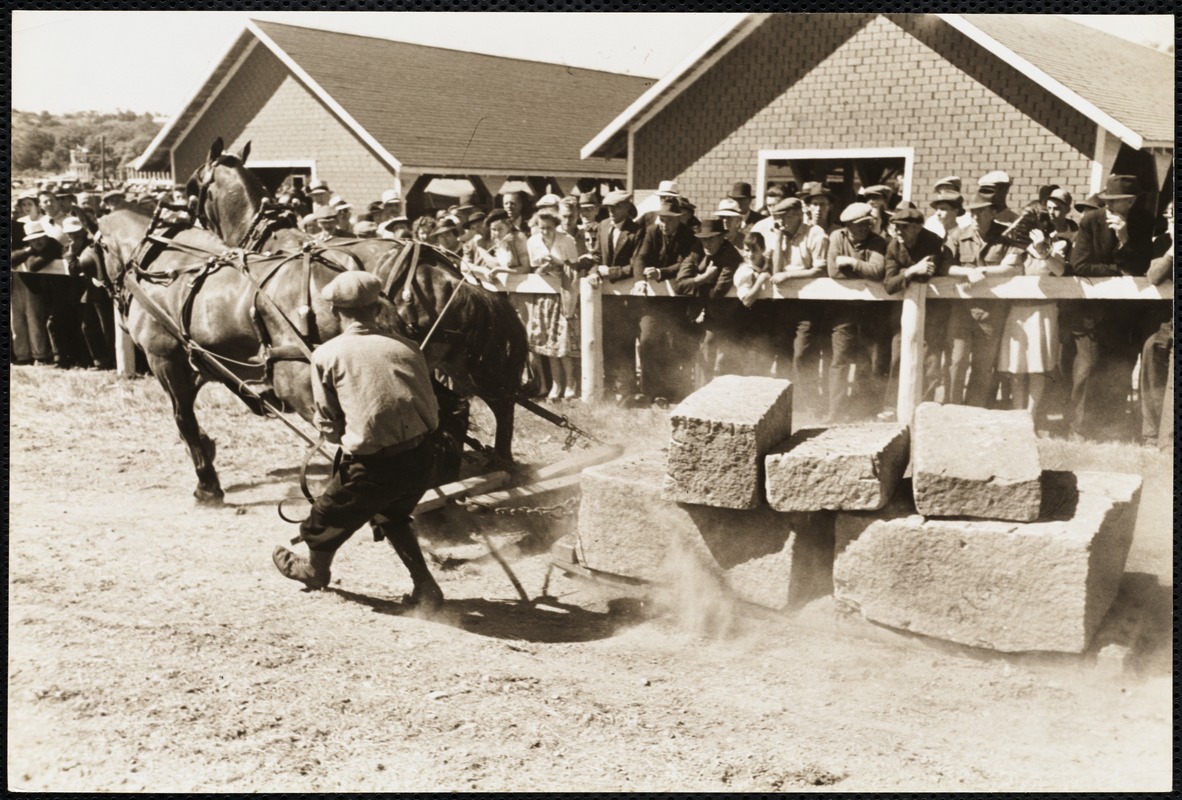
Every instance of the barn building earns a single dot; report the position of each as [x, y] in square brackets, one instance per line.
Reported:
[860, 99]
[367, 115]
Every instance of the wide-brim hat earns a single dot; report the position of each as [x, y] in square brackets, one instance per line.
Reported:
[813, 189]
[1119, 187]
[671, 207]
[475, 218]
[711, 227]
[353, 289]
[1089, 203]
[667, 189]
[617, 196]
[954, 199]
[741, 191]
[857, 212]
[72, 225]
[907, 215]
[323, 213]
[445, 225]
[34, 230]
[318, 186]
[787, 204]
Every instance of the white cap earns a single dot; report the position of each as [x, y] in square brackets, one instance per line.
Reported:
[391, 196]
[995, 177]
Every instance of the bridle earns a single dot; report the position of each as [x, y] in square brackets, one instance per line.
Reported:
[269, 215]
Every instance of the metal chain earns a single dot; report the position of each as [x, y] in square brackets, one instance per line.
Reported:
[564, 509]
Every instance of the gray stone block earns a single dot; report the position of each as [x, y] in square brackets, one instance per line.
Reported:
[975, 462]
[719, 437]
[1006, 586]
[844, 468]
[626, 527]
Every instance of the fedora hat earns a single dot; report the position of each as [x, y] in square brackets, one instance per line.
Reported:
[857, 212]
[711, 227]
[318, 186]
[390, 197]
[353, 289]
[814, 189]
[447, 224]
[728, 207]
[955, 199]
[1089, 203]
[667, 189]
[34, 230]
[1119, 187]
[671, 207]
[475, 218]
[741, 191]
[589, 199]
[617, 196]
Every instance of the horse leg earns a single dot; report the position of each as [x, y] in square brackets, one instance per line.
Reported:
[181, 384]
[502, 409]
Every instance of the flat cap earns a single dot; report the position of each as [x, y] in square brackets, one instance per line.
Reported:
[992, 178]
[856, 212]
[546, 200]
[878, 190]
[911, 215]
[786, 205]
[353, 289]
[954, 199]
[949, 180]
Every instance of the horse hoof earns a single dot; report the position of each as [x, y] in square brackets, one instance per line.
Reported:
[208, 498]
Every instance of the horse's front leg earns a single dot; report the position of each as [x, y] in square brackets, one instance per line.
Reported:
[180, 382]
[502, 409]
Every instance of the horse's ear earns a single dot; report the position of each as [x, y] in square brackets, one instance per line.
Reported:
[245, 152]
[216, 148]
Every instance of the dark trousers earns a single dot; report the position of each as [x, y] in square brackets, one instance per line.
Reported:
[754, 343]
[381, 490]
[800, 326]
[65, 320]
[937, 314]
[620, 324]
[976, 335]
[667, 347]
[98, 326]
[30, 312]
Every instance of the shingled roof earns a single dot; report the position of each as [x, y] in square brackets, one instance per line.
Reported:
[437, 109]
[1125, 87]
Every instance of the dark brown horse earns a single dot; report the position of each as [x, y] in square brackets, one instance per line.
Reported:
[480, 343]
[200, 312]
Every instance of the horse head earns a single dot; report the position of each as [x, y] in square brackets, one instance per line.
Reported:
[229, 198]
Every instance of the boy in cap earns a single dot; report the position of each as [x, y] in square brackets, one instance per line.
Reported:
[373, 396]
[708, 276]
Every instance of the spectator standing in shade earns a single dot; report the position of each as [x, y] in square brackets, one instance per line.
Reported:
[619, 236]
[707, 276]
[855, 252]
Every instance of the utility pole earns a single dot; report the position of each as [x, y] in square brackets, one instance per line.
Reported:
[102, 163]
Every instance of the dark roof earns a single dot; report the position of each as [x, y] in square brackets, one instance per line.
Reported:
[445, 109]
[1132, 83]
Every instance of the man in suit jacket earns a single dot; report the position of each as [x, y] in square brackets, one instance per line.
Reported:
[708, 276]
[741, 194]
[619, 235]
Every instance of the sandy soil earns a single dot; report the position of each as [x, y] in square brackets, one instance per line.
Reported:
[152, 646]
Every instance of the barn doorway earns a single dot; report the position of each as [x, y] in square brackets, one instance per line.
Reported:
[844, 172]
[282, 177]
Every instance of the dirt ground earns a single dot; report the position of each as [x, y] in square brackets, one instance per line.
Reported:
[153, 647]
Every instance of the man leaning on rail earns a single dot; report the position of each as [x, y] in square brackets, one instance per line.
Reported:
[373, 397]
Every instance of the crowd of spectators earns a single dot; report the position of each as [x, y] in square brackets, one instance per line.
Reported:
[1065, 360]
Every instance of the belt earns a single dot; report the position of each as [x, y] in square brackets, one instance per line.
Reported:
[394, 449]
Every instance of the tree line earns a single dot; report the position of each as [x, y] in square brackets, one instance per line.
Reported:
[41, 142]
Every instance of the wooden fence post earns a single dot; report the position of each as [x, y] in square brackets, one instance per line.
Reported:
[591, 331]
[911, 352]
[124, 352]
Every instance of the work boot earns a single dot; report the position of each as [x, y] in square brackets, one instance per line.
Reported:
[312, 571]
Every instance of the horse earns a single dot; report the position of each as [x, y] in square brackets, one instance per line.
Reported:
[483, 346]
[201, 312]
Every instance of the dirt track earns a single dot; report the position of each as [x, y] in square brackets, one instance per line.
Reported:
[152, 646]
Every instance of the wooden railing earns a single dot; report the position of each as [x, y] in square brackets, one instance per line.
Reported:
[913, 300]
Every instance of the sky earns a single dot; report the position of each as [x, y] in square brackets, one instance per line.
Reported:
[153, 61]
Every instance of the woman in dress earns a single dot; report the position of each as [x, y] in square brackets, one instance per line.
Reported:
[553, 325]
